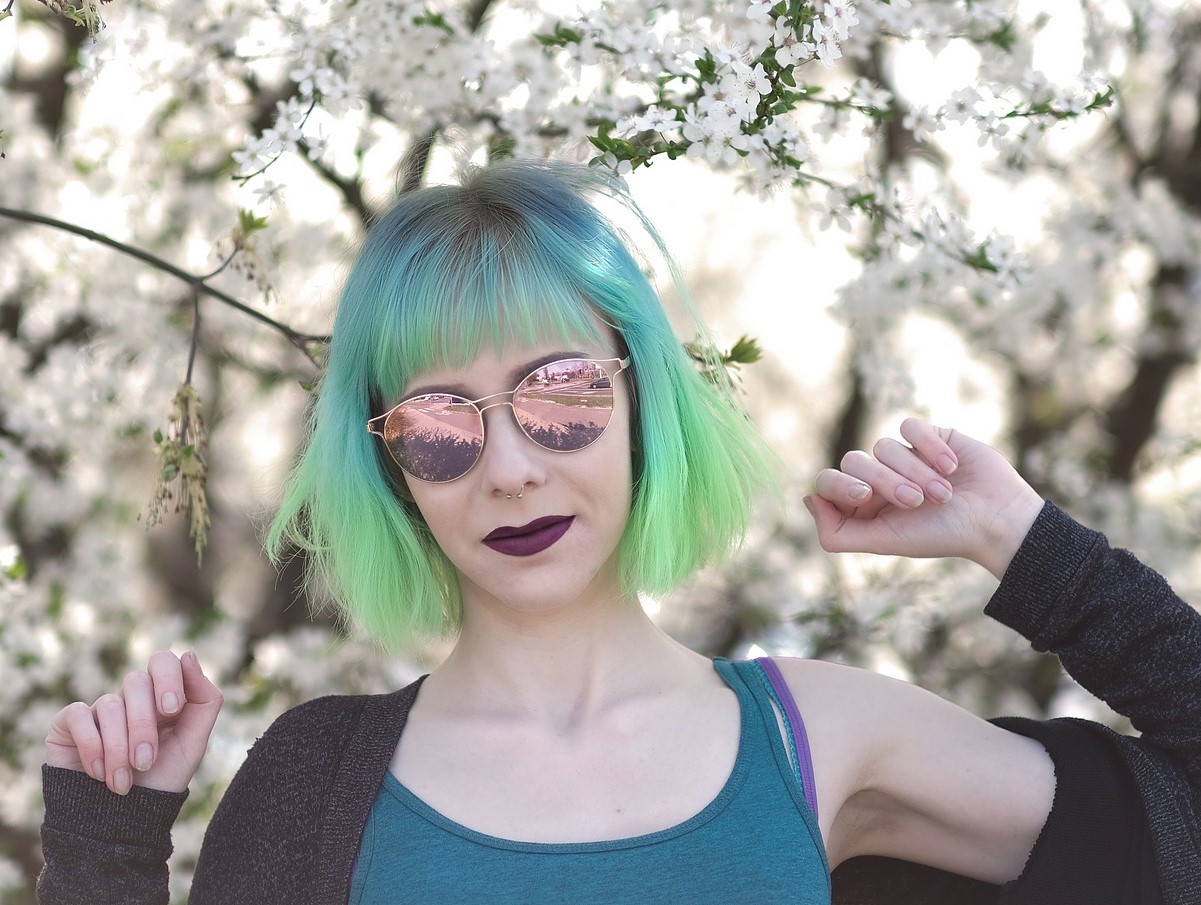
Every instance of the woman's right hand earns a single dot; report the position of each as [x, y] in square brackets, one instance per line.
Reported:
[151, 733]
[966, 499]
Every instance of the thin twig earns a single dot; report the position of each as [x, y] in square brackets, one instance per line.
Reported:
[195, 335]
[301, 341]
[228, 260]
[412, 167]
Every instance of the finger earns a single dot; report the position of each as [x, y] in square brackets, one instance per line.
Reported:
[886, 482]
[141, 720]
[907, 462]
[74, 741]
[166, 675]
[843, 490]
[827, 519]
[110, 717]
[931, 443]
[204, 703]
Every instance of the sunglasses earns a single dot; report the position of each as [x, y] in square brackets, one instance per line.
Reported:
[563, 406]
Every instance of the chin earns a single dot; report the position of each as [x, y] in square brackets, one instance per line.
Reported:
[536, 594]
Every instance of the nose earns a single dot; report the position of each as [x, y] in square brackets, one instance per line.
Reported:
[510, 459]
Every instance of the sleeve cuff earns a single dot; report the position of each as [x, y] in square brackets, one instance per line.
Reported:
[80, 805]
[1044, 570]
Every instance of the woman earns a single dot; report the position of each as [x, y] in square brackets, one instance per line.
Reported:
[511, 444]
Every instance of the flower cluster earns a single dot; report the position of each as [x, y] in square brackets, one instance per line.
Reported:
[917, 179]
[183, 470]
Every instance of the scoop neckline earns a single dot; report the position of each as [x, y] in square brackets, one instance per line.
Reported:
[715, 806]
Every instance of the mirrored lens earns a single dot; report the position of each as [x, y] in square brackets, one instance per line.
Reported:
[436, 438]
[565, 405]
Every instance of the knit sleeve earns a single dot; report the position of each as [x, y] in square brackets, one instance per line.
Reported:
[1116, 625]
[101, 848]
[263, 845]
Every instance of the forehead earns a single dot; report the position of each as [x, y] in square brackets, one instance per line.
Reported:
[494, 370]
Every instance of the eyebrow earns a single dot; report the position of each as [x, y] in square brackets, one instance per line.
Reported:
[518, 373]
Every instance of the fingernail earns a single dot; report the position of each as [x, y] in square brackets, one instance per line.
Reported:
[98, 770]
[170, 702]
[143, 757]
[859, 492]
[909, 496]
[809, 505]
[946, 464]
[123, 780]
[939, 491]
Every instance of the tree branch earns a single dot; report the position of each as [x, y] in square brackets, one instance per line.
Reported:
[350, 189]
[301, 341]
[416, 159]
[412, 168]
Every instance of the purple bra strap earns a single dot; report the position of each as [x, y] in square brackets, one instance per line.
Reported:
[796, 724]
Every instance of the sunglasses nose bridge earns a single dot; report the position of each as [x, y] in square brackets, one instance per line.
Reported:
[487, 405]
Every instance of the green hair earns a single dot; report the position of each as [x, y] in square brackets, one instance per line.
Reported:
[516, 253]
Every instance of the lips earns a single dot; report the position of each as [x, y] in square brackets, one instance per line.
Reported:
[530, 538]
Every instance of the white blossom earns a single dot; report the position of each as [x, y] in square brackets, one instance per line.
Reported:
[825, 40]
[791, 47]
[840, 15]
[961, 106]
[921, 122]
[759, 9]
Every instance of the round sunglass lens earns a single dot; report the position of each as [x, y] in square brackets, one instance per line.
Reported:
[566, 405]
[435, 438]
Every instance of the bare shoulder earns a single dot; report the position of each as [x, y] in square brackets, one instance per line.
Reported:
[835, 694]
[912, 775]
[878, 719]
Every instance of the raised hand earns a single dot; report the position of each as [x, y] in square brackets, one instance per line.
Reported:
[940, 493]
[151, 733]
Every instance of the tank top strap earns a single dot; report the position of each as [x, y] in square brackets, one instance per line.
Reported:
[762, 682]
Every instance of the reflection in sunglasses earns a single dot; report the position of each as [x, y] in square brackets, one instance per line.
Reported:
[563, 406]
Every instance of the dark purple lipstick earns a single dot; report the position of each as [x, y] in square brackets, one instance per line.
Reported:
[530, 538]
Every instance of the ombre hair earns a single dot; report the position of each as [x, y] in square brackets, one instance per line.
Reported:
[516, 254]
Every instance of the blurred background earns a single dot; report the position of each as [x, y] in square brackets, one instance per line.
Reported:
[984, 213]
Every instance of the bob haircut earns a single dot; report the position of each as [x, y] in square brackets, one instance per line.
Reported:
[515, 254]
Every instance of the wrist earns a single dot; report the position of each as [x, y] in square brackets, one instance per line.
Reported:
[1006, 530]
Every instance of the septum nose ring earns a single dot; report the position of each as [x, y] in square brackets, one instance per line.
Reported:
[520, 493]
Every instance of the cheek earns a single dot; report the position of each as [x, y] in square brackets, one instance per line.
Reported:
[436, 511]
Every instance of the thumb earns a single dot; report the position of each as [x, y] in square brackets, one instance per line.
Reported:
[827, 519]
[203, 704]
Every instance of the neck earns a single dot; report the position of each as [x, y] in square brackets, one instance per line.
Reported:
[562, 665]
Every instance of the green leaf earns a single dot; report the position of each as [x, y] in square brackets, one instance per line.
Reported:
[17, 570]
[1004, 37]
[249, 224]
[158, 436]
[434, 20]
[560, 37]
[745, 351]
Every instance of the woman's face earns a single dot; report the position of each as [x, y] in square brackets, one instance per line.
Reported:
[528, 528]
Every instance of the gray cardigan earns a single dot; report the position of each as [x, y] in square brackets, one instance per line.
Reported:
[287, 830]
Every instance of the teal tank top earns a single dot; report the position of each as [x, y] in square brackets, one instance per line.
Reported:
[757, 841]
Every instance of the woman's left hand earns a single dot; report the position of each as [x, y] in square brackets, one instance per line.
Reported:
[940, 493]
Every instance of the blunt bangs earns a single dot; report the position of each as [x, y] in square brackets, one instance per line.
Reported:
[513, 256]
[475, 278]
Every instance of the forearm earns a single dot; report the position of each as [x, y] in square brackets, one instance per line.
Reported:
[1116, 625]
[101, 848]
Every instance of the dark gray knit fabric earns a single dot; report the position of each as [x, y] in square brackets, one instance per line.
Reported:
[1123, 634]
[288, 828]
